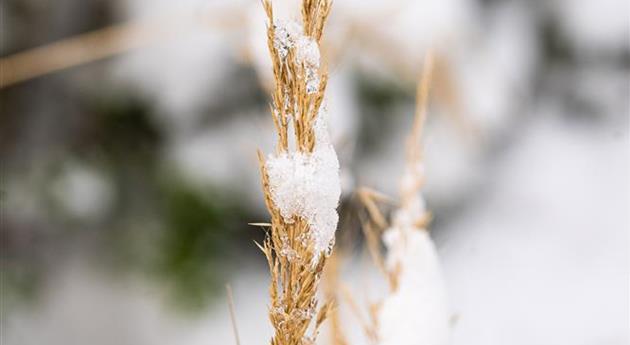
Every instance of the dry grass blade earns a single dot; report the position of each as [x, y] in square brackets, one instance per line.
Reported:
[448, 94]
[230, 297]
[410, 189]
[409, 218]
[368, 328]
[373, 246]
[102, 43]
[368, 198]
[331, 288]
[410, 212]
[263, 225]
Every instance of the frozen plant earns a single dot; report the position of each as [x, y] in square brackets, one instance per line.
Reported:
[416, 311]
[306, 185]
[301, 178]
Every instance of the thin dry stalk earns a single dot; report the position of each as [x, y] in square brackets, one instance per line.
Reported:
[230, 298]
[373, 246]
[103, 43]
[368, 326]
[409, 191]
[369, 198]
[410, 186]
[295, 265]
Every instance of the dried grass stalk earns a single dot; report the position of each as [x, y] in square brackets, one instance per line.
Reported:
[295, 264]
[415, 311]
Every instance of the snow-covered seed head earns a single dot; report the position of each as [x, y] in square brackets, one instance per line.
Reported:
[301, 178]
[307, 185]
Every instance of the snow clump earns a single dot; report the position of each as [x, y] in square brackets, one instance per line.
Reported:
[417, 313]
[307, 185]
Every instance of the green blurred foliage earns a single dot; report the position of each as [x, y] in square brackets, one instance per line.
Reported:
[377, 100]
[158, 225]
[198, 231]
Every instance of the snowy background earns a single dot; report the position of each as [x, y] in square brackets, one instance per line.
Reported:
[127, 183]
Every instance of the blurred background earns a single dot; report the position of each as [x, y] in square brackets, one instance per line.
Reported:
[128, 133]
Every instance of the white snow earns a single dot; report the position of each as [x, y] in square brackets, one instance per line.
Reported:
[543, 258]
[417, 312]
[408, 217]
[308, 55]
[308, 51]
[288, 34]
[307, 185]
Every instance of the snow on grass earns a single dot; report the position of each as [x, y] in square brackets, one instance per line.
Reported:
[307, 185]
[416, 313]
